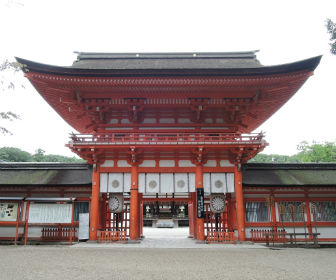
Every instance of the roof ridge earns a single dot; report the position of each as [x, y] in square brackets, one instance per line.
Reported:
[165, 55]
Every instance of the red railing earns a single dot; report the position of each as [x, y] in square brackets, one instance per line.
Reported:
[58, 233]
[221, 237]
[107, 236]
[167, 139]
[260, 235]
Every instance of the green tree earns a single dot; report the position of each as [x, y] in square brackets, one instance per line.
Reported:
[11, 154]
[317, 152]
[273, 158]
[331, 28]
[39, 155]
[5, 85]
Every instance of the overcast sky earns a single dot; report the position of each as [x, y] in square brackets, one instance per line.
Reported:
[283, 31]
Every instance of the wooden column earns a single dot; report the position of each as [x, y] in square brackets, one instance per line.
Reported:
[309, 222]
[274, 221]
[94, 209]
[191, 203]
[140, 223]
[199, 221]
[103, 212]
[17, 222]
[26, 222]
[273, 213]
[72, 220]
[240, 203]
[134, 204]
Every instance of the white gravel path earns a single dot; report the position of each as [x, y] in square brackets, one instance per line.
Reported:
[126, 262]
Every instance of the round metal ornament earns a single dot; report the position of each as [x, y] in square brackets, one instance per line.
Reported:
[217, 203]
[116, 203]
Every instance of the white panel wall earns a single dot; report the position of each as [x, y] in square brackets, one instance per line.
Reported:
[127, 182]
[103, 182]
[181, 182]
[108, 163]
[230, 182]
[166, 182]
[191, 182]
[218, 183]
[142, 182]
[166, 120]
[152, 183]
[123, 163]
[326, 232]
[125, 121]
[211, 163]
[183, 120]
[147, 163]
[225, 163]
[185, 163]
[115, 183]
[206, 182]
[167, 163]
[149, 120]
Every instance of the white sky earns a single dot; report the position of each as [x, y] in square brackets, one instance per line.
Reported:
[283, 31]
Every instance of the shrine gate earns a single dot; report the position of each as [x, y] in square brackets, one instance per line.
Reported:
[167, 128]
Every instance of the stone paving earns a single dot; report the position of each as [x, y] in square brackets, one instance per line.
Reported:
[165, 254]
[167, 238]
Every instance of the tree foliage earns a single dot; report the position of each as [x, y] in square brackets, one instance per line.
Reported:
[315, 152]
[10, 154]
[5, 85]
[331, 28]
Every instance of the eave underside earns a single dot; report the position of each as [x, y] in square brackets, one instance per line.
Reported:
[89, 104]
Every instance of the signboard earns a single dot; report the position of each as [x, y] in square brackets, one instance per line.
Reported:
[83, 230]
[45, 213]
[200, 203]
[8, 212]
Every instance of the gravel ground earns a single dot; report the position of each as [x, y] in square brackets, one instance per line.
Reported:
[212, 262]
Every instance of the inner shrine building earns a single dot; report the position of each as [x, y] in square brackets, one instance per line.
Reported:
[168, 129]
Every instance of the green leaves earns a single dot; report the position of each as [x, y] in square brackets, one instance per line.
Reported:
[10, 154]
[315, 152]
[331, 29]
[7, 116]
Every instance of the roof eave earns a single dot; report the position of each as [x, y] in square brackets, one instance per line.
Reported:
[304, 65]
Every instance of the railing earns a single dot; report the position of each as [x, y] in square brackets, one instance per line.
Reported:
[58, 233]
[107, 236]
[264, 235]
[221, 237]
[167, 139]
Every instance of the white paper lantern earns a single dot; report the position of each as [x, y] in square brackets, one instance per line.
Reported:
[217, 203]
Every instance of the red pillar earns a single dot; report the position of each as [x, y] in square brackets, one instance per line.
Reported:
[103, 212]
[191, 211]
[240, 204]
[309, 222]
[140, 223]
[274, 220]
[94, 209]
[199, 221]
[134, 215]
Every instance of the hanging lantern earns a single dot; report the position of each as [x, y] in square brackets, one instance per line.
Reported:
[116, 203]
[217, 203]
